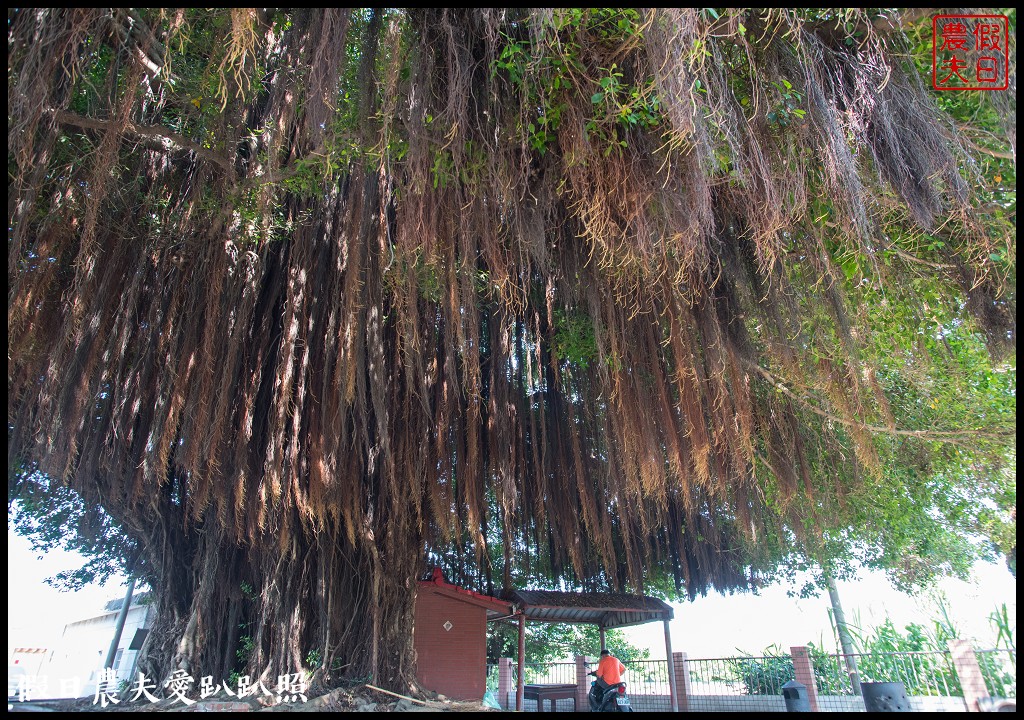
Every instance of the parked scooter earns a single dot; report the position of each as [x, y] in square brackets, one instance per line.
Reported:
[614, 699]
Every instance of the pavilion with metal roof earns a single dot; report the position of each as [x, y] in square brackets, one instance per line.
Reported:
[606, 610]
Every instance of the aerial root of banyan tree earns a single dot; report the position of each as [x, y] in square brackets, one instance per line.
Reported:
[304, 299]
[316, 602]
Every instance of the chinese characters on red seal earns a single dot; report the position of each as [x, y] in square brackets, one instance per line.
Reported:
[970, 52]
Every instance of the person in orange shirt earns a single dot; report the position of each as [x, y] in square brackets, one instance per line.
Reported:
[609, 669]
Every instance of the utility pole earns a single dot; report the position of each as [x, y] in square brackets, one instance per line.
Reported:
[844, 634]
[119, 627]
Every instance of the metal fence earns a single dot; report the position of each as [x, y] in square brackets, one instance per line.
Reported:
[647, 684]
[559, 673]
[754, 684]
[738, 684]
[999, 668]
[929, 678]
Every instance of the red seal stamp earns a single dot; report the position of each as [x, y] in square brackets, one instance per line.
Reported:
[970, 52]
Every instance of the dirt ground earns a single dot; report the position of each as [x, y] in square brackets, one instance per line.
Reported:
[356, 699]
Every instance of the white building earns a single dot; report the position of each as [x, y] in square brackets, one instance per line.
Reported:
[75, 663]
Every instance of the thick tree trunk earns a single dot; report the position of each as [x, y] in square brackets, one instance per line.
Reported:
[318, 604]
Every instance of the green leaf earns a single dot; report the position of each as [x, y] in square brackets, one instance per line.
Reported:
[597, 97]
[850, 268]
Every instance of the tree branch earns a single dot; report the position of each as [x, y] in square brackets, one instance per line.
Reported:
[908, 17]
[989, 151]
[158, 132]
[891, 247]
[939, 435]
[130, 25]
[148, 131]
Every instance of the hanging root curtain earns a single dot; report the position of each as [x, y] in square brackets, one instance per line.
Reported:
[304, 297]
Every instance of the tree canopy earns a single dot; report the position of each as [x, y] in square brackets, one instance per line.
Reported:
[304, 297]
[54, 516]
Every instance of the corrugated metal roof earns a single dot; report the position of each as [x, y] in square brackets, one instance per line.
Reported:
[609, 610]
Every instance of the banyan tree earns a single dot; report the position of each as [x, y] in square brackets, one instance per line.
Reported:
[306, 298]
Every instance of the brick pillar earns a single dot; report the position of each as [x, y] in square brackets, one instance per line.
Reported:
[804, 672]
[967, 669]
[582, 684]
[504, 681]
[683, 689]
